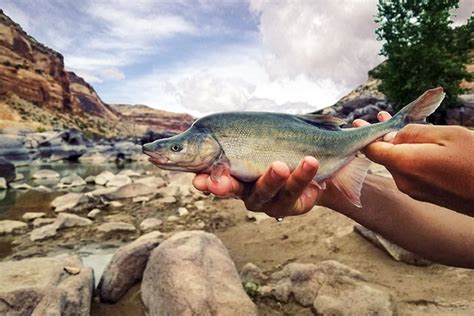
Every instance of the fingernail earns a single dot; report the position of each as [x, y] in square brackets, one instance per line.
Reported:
[307, 167]
[275, 175]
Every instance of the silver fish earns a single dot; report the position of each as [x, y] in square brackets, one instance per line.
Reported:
[244, 144]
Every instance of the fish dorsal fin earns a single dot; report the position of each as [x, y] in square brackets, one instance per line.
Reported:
[322, 121]
[350, 178]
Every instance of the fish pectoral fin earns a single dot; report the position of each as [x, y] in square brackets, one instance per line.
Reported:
[350, 178]
[220, 168]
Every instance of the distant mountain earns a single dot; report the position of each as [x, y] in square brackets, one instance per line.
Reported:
[37, 92]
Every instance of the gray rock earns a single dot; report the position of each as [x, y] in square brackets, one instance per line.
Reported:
[115, 204]
[12, 227]
[252, 273]
[196, 266]
[19, 186]
[12, 149]
[141, 199]
[71, 181]
[129, 173]
[65, 220]
[29, 216]
[101, 192]
[94, 213]
[126, 267]
[348, 297]
[150, 224]
[44, 232]
[258, 217]
[153, 182]
[42, 286]
[395, 251]
[3, 184]
[200, 205]
[45, 174]
[167, 200]
[42, 188]
[116, 227]
[19, 177]
[68, 145]
[68, 201]
[130, 191]
[103, 177]
[172, 218]
[93, 158]
[118, 181]
[42, 221]
[7, 170]
[90, 179]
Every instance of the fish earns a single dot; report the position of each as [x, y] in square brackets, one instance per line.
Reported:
[244, 144]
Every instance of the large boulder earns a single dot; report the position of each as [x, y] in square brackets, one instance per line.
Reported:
[126, 267]
[44, 232]
[69, 145]
[71, 181]
[118, 181]
[192, 273]
[46, 286]
[12, 149]
[104, 177]
[7, 170]
[65, 220]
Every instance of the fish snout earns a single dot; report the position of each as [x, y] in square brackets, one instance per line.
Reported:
[148, 148]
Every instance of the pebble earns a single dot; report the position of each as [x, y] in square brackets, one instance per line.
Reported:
[93, 214]
[29, 216]
[182, 211]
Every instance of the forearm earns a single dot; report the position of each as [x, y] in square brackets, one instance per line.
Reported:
[431, 231]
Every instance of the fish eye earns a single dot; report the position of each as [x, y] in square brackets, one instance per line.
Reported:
[176, 147]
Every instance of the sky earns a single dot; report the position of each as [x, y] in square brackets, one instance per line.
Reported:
[205, 56]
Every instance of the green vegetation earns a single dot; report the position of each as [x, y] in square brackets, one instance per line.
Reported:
[423, 48]
[251, 289]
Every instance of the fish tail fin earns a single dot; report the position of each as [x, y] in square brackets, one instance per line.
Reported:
[418, 110]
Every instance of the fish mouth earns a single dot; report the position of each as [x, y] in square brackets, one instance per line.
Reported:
[156, 158]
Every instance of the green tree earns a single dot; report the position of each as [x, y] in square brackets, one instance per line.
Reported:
[423, 49]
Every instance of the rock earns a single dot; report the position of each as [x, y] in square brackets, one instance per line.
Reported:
[200, 205]
[150, 224]
[115, 204]
[44, 232]
[65, 220]
[12, 150]
[140, 199]
[129, 173]
[93, 158]
[170, 190]
[42, 188]
[103, 177]
[3, 184]
[114, 227]
[130, 191]
[182, 211]
[68, 201]
[73, 180]
[94, 213]
[118, 181]
[172, 218]
[42, 221]
[67, 145]
[258, 217]
[90, 179]
[101, 191]
[194, 265]
[29, 216]
[251, 273]
[304, 281]
[395, 251]
[19, 177]
[153, 182]
[45, 174]
[347, 297]
[42, 286]
[12, 227]
[126, 267]
[167, 200]
[7, 170]
[20, 186]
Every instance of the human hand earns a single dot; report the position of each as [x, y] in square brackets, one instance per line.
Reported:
[430, 163]
[278, 192]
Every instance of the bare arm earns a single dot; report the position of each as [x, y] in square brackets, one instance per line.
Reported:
[433, 232]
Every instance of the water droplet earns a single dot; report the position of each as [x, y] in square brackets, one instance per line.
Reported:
[279, 219]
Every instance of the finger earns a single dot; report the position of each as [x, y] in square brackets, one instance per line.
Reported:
[299, 180]
[381, 152]
[389, 137]
[200, 182]
[224, 187]
[360, 123]
[268, 185]
[307, 200]
[383, 116]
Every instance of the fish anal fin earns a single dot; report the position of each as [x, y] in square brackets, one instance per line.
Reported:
[322, 121]
[350, 178]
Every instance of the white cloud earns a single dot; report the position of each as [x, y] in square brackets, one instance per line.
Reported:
[323, 40]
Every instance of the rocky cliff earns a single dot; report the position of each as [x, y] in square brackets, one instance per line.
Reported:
[36, 91]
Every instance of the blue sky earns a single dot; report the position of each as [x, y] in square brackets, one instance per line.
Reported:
[205, 56]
